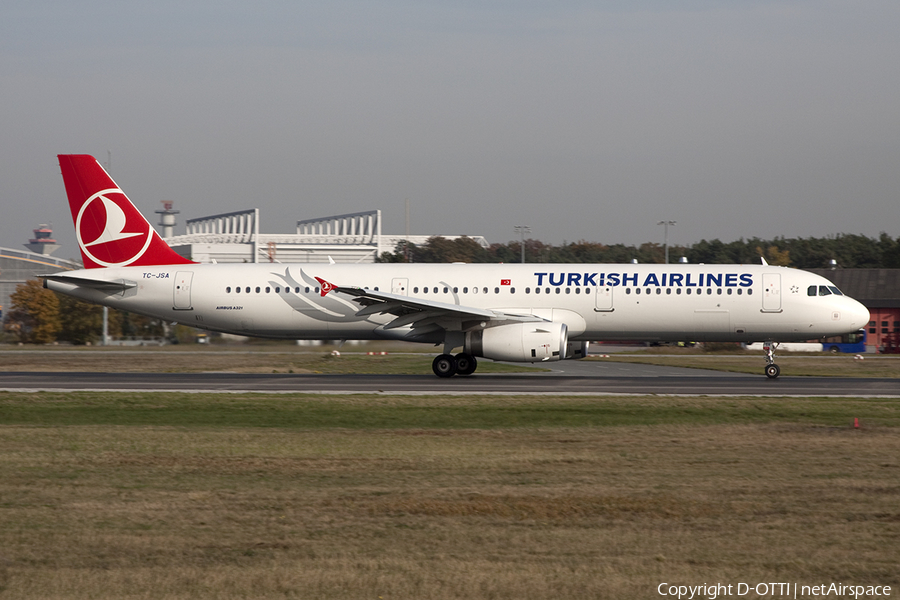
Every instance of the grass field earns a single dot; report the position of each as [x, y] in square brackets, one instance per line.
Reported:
[107, 495]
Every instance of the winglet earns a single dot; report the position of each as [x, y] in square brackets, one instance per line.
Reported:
[326, 287]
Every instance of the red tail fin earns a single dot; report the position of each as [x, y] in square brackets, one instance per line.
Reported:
[111, 232]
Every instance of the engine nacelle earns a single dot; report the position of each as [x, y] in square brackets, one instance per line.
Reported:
[520, 342]
[576, 350]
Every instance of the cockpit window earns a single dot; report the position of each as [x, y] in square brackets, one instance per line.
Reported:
[823, 290]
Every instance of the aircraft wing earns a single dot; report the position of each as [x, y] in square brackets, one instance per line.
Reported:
[419, 312]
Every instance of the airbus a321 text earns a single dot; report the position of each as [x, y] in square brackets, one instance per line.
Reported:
[508, 312]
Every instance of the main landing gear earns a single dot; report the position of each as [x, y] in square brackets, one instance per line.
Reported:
[447, 365]
[772, 370]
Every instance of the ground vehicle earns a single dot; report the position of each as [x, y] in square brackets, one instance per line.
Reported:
[852, 343]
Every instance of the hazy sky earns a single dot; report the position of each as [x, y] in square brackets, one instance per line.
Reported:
[584, 120]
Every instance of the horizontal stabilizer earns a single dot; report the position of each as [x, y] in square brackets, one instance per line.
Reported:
[112, 286]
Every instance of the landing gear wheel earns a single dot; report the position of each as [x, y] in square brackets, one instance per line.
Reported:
[465, 364]
[773, 371]
[444, 365]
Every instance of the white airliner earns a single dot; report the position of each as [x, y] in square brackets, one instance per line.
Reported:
[510, 312]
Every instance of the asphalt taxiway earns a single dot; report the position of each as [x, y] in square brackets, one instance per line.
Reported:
[575, 378]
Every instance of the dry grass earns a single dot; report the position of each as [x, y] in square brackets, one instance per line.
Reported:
[578, 512]
[275, 358]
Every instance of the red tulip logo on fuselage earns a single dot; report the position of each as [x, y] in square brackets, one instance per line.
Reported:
[110, 230]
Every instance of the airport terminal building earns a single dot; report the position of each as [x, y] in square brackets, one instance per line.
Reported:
[235, 237]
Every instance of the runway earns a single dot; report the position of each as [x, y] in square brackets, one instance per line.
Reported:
[584, 379]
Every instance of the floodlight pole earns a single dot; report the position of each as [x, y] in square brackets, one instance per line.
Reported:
[522, 230]
[666, 244]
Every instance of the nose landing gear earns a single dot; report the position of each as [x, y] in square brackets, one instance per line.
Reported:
[772, 370]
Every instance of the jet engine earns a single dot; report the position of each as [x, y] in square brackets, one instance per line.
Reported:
[577, 350]
[519, 342]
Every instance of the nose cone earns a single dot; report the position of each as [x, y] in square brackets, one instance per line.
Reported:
[859, 315]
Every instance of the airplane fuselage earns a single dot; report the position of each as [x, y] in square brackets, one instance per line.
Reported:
[596, 302]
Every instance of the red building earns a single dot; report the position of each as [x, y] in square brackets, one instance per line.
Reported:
[879, 291]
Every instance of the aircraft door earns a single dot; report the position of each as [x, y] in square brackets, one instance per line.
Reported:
[182, 297]
[400, 286]
[771, 292]
[604, 299]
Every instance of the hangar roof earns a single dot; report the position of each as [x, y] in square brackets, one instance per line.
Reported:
[873, 287]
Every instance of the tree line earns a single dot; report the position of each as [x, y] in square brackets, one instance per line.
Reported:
[848, 250]
[41, 316]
